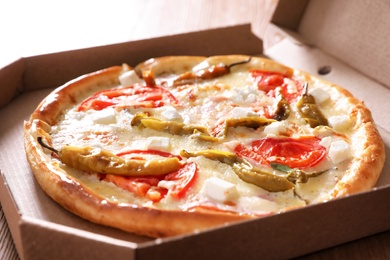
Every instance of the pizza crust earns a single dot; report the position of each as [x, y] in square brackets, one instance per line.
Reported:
[83, 201]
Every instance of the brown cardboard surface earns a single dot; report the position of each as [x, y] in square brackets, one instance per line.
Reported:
[45, 229]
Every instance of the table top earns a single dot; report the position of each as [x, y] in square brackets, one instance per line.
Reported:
[36, 27]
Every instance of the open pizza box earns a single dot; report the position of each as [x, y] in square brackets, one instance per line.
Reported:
[316, 36]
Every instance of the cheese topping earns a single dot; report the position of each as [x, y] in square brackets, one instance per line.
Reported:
[222, 113]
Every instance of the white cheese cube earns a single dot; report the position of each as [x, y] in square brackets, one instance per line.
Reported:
[105, 116]
[275, 128]
[219, 190]
[239, 112]
[339, 122]
[129, 78]
[158, 143]
[166, 184]
[319, 95]
[326, 141]
[170, 113]
[339, 151]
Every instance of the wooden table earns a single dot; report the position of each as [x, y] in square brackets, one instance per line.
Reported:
[36, 27]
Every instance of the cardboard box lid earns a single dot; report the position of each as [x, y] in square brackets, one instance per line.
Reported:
[44, 71]
[355, 31]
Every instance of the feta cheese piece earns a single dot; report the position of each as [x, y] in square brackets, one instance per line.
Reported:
[158, 143]
[275, 128]
[239, 112]
[339, 151]
[170, 113]
[319, 95]
[129, 78]
[326, 141]
[339, 122]
[219, 190]
[105, 116]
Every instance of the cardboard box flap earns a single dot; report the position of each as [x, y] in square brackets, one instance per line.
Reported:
[45, 71]
[53, 70]
[356, 31]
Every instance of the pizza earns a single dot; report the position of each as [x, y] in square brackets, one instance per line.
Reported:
[180, 144]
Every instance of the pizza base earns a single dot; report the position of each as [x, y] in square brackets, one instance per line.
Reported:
[83, 201]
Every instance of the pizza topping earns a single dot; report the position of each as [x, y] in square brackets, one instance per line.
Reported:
[303, 152]
[93, 159]
[158, 143]
[272, 82]
[219, 189]
[320, 95]
[244, 170]
[339, 122]
[283, 110]
[172, 127]
[133, 96]
[339, 151]
[296, 175]
[308, 109]
[129, 78]
[212, 72]
[250, 122]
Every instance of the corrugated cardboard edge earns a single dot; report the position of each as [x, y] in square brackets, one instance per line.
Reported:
[306, 234]
[11, 212]
[11, 77]
[35, 233]
[23, 74]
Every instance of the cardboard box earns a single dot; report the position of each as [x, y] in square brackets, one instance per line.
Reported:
[42, 229]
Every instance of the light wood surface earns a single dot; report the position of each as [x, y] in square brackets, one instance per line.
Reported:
[35, 27]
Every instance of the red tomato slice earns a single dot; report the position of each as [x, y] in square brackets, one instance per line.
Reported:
[300, 152]
[184, 179]
[268, 81]
[137, 96]
[147, 186]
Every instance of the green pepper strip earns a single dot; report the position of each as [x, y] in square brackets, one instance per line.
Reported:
[309, 110]
[296, 175]
[212, 72]
[244, 170]
[97, 160]
[282, 111]
[172, 127]
[251, 122]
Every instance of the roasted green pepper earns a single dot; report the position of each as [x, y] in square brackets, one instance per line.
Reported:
[245, 171]
[102, 161]
[282, 111]
[204, 74]
[251, 122]
[296, 175]
[308, 109]
[172, 127]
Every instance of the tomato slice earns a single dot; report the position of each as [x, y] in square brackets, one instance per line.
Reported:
[268, 81]
[136, 95]
[184, 178]
[300, 152]
[147, 186]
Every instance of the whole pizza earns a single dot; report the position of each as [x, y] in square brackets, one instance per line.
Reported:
[180, 144]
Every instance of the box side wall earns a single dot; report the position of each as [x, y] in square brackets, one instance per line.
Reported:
[11, 213]
[43, 240]
[11, 81]
[355, 32]
[287, 235]
[53, 70]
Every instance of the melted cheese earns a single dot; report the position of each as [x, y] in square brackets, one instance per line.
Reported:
[210, 102]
